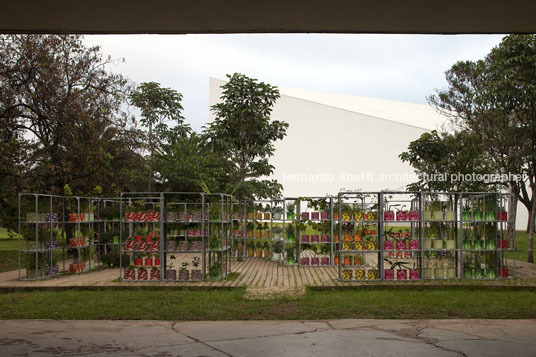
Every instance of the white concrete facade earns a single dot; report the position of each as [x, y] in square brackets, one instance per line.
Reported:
[339, 142]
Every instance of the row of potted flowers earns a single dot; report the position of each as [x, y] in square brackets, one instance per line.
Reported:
[304, 261]
[490, 273]
[315, 238]
[143, 243]
[481, 244]
[141, 273]
[359, 274]
[484, 216]
[52, 270]
[360, 245]
[357, 216]
[148, 261]
[142, 216]
[78, 242]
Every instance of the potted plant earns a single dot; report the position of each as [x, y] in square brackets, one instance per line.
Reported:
[258, 232]
[214, 271]
[427, 269]
[266, 230]
[291, 209]
[291, 232]
[414, 273]
[155, 273]
[130, 272]
[347, 274]
[439, 270]
[258, 213]
[250, 228]
[291, 258]
[142, 273]
[251, 248]
[148, 261]
[277, 249]
[258, 250]
[305, 239]
[427, 212]
[452, 272]
[171, 274]
[184, 274]
[372, 274]
[171, 245]
[183, 246]
[437, 212]
[401, 215]
[277, 231]
[266, 249]
[266, 214]
[196, 273]
[156, 260]
[138, 261]
[277, 213]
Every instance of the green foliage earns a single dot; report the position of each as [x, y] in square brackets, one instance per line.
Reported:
[243, 135]
[495, 98]
[434, 153]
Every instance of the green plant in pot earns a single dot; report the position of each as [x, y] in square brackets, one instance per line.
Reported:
[277, 231]
[291, 232]
[291, 255]
[258, 249]
[266, 249]
[277, 213]
[277, 249]
[266, 230]
[452, 271]
[439, 270]
[214, 271]
[171, 274]
[196, 273]
[291, 209]
[427, 212]
[450, 241]
[184, 274]
[437, 212]
[251, 248]
[428, 264]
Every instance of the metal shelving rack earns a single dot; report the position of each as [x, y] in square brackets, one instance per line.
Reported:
[193, 231]
[258, 213]
[56, 229]
[430, 229]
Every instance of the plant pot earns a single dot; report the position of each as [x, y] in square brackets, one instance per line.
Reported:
[172, 216]
[148, 262]
[258, 216]
[155, 274]
[467, 244]
[479, 244]
[360, 274]
[468, 273]
[251, 252]
[502, 216]
[304, 261]
[371, 216]
[305, 238]
[427, 215]
[130, 274]
[389, 274]
[156, 262]
[490, 216]
[183, 246]
[171, 274]
[266, 253]
[372, 274]
[250, 234]
[401, 216]
[267, 216]
[142, 274]
[324, 261]
[371, 245]
[324, 238]
[400, 245]
[290, 216]
[402, 274]
[437, 215]
[414, 274]
[413, 215]
[490, 244]
[184, 217]
[347, 261]
[427, 244]
[502, 272]
[138, 262]
[491, 274]
[277, 236]
[413, 244]
[504, 244]
[357, 245]
[315, 216]
[467, 216]
[439, 273]
[184, 275]
[315, 261]
[324, 216]
[388, 245]
[347, 274]
[251, 215]
[358, 260]
[451, 273]
[479, 216]
[171, 245]
[427, 273]
[258, 253]
[276, 216]
[450, 216]
[276, 257]
[388, 216]
[154, 245]
[291, 260]
[479, 273]
[359, 216]
[305, 216]
[258, 234]
[196, 275]
[450, 244]
[437, 244]
[195, 245]
[266, 234]
[314, 238]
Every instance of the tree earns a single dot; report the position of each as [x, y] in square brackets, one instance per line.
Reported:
[452, 154]
[61, 118]
[242, 134]
[495, 98]
[158, 106]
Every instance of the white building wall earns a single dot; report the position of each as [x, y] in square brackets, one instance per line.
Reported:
[324, 144]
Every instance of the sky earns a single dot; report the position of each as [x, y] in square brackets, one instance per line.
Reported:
[404, 68]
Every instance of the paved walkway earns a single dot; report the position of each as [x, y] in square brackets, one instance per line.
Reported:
[270, 338]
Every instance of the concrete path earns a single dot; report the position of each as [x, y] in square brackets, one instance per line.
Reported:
[270, 338]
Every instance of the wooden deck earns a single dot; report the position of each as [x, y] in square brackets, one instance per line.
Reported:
[252, 273]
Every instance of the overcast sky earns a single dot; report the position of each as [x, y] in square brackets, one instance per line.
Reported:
[397, 67]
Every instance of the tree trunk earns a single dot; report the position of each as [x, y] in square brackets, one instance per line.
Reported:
[512, 212]
[532, 214]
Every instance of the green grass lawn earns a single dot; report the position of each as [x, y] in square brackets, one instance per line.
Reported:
[522, 240]
[229, 304]
[9, 256]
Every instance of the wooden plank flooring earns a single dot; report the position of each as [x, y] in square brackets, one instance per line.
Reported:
[252, 273]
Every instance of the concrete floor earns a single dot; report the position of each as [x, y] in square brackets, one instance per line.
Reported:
[270, 338]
